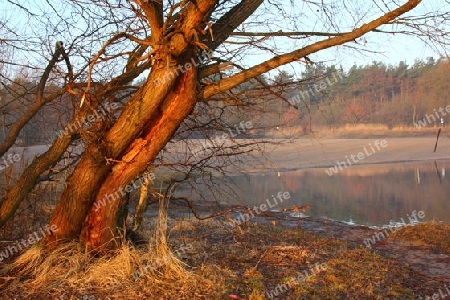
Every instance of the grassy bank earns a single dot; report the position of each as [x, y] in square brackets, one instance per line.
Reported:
[380, 130]
[214, 260]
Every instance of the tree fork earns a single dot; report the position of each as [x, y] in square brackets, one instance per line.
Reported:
[100, 230]
[88, 177]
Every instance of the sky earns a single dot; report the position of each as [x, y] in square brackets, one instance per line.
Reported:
[304, 15]
[384, 47]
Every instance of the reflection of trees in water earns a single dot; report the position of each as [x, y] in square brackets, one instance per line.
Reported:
[388, 193]
[292, 184]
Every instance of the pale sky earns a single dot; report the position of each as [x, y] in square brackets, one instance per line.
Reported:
[303, 17]
[384, 47]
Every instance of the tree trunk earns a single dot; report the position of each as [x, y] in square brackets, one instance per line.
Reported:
[91, 171]
[78, 195]
[29, 177]
[145, 126]
[100, 228]
[148, 121]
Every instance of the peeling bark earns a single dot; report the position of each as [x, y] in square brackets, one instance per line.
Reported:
[100, 228]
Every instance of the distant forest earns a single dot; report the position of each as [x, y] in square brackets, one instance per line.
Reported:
[325, 97]
[377, 93]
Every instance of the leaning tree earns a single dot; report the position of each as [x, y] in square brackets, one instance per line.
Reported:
[88, 54]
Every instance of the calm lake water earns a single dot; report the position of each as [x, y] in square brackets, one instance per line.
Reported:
[373, 195]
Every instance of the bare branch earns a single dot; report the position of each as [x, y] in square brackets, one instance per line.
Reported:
[231, 82]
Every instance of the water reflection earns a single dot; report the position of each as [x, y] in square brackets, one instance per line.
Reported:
[368, 194]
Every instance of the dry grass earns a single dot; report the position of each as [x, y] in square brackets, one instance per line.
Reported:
[374, 130]
[358, 274]
[221, 261]
[432, 234]
[127, 273]
[365, 127]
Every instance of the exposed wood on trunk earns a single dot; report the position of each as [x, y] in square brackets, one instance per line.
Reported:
[100, 228]
[140, 112]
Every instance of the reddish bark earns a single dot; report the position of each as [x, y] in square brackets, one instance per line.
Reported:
[100, 228]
